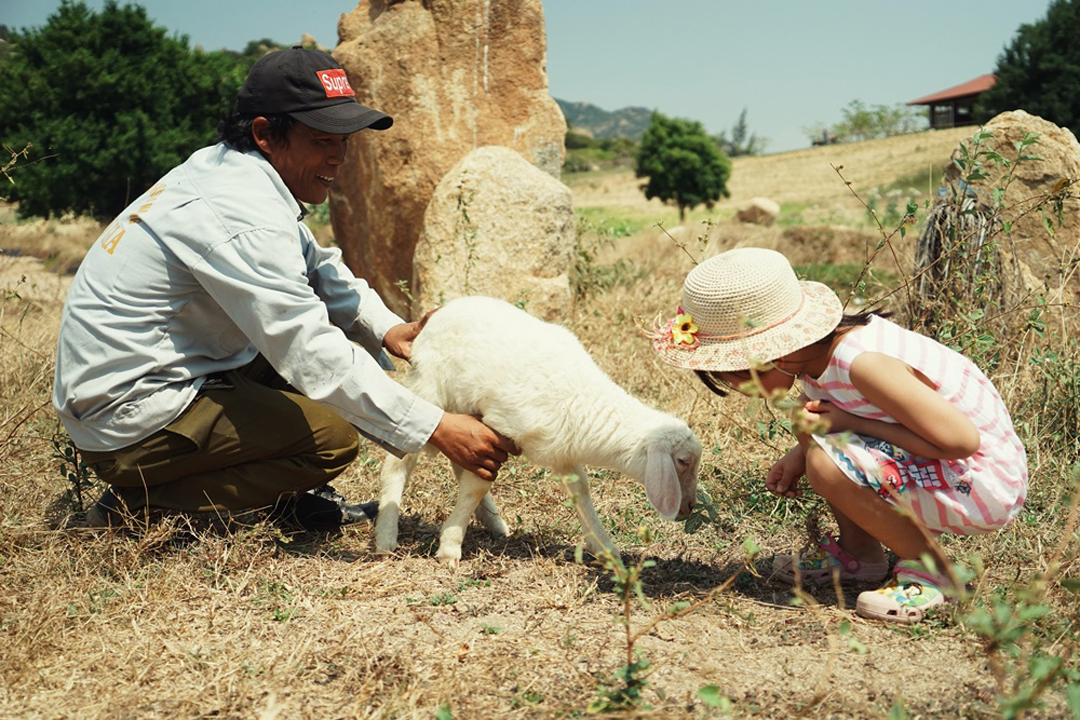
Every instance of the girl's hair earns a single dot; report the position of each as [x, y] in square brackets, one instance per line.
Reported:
[235, 130]
[714, 382]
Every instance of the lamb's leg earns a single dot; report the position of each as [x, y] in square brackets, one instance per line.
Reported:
[488, 515]
[395, 474]
[471, 491]
[597, 541]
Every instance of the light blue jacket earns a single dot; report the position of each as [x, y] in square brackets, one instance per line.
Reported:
[209, 267]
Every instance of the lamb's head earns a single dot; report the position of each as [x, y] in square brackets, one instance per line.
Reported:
[667, 464]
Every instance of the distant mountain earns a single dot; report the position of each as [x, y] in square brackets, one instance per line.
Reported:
[630, 122]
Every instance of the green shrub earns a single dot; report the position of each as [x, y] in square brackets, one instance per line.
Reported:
[110, 104]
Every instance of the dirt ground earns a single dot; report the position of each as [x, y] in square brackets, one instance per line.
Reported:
[177, 622]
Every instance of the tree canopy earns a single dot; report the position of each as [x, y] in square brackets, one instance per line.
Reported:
[741, 140]
[683, 164]
[109, 103]
[1039, 71]
[868, 122]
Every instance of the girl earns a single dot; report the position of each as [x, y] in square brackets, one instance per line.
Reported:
[912, 425]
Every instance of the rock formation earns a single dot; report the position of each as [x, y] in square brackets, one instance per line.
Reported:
[455, 75]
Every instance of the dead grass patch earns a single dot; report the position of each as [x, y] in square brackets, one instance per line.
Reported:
[183, 623]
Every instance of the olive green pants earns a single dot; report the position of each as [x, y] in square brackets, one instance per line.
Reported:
[245, 441]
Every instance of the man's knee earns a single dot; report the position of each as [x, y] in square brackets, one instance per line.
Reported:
[339, 443]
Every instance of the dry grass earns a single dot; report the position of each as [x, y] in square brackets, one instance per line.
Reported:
[185, 623]
[803, 182]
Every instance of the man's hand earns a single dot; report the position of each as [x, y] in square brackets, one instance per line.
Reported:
[473, 445]
[399, 339]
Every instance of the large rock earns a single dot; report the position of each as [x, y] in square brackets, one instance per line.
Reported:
[497, 226]
[1031, 256]
[455, 75]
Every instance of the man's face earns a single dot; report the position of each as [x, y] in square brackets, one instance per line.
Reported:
[308, 162]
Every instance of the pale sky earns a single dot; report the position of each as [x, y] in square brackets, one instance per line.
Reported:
[791, 63]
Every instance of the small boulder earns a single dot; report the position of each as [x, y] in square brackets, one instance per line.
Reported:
[496, 225]
[759, 211]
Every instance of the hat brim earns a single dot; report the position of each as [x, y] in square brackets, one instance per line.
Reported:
[344, 118]
[819, 315]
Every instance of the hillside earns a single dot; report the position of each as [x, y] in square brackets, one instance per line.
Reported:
[801, 178]
[629, 122]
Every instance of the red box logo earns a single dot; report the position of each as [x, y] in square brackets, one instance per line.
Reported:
[335, 83]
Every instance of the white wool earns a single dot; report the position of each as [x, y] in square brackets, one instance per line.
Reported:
[535, 383]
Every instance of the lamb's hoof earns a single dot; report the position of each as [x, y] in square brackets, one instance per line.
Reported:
[386, 548]
[449, 558]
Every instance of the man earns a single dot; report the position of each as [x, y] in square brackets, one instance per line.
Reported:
[213, 357]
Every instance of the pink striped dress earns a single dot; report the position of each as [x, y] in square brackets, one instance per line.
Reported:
[973, 495]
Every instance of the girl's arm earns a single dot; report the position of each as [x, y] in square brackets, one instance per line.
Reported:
[926, 423]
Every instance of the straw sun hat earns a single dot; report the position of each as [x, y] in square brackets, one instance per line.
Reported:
[742, 308]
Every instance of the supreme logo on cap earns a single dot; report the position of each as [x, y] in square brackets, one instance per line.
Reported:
[335, 83]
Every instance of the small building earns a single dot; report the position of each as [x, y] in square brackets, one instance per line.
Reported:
[956, 105]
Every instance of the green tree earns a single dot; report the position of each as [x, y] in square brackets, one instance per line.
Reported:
[866, 122]
[742, 141]
[109, 104]
[1040, 70]
[683, 164]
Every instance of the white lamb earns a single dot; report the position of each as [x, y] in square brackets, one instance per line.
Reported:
[535, 383]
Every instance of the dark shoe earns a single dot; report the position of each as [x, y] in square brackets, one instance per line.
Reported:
[108, 512]
[323, 509]
[350, 512]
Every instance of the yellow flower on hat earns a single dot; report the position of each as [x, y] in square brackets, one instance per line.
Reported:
[683, 329]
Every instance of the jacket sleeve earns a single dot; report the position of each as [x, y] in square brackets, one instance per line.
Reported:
[352, 304]
[261, 280]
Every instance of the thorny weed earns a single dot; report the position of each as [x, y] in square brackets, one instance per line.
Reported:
[624, 688]
[15, 156]
[466, 229]
[72, 468]
[589, 275]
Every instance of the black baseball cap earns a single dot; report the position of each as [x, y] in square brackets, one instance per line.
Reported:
[310, 86]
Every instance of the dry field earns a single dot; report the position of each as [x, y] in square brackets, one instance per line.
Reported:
[185, 623]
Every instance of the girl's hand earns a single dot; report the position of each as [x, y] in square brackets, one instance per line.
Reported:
[823, 411]
[783, 478]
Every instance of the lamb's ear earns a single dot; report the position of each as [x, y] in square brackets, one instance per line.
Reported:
[662, 481]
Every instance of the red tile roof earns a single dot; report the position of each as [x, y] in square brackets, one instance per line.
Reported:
[971, 87]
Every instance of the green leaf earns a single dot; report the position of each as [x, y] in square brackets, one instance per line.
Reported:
[1071, 584]
[751, 548]
[678, 607]
[897, 711]
[1073, 694]
[443, 713]
[710, 695]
